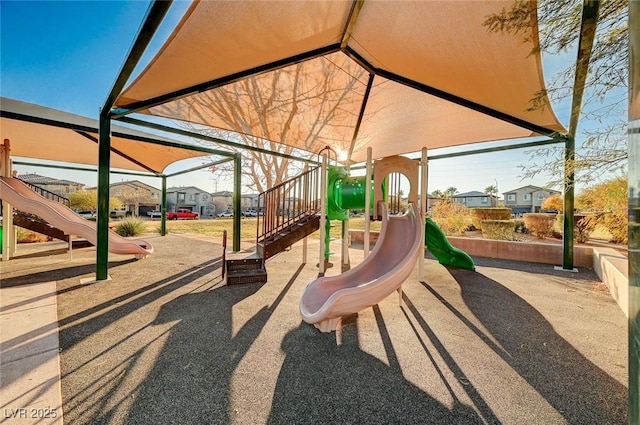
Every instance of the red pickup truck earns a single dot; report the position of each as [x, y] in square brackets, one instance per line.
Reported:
[182, 213]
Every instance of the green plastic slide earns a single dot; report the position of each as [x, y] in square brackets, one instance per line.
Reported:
[439, 246]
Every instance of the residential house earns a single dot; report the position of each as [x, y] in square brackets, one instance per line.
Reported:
[475, 199]
[527, 199]
[137, 198]
[191, 198]
[431, 201]
[58, 186]
[224, 199]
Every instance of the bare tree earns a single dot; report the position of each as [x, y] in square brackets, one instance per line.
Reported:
[284, 106]
[603, 145]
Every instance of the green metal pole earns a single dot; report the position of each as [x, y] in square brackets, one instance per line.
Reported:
[237, 184]
[104, 158]
[152, 20]
[588, 26]
[569, 193]
[634, 213]
[163, 208]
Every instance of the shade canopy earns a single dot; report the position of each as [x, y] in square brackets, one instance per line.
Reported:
[43, 133]
[393, 75]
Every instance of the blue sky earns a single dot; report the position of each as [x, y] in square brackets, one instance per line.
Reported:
[66, 55]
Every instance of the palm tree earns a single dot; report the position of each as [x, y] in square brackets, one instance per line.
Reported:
[490, 190]
[450, 192]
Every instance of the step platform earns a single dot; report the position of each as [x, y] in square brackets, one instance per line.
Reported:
[245, 270]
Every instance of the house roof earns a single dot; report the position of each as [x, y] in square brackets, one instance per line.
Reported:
[183, 188]
[394, 76]
[42, 180]
[469, 194]
[135, 183]
[532, 188]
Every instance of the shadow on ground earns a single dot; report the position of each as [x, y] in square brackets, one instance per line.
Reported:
[527, 342]
[322, 382]
[56, 274]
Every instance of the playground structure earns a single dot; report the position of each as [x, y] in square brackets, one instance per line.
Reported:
[296, 208]
[327, 299]
[17, 196]
[375, 64]
[22, 197]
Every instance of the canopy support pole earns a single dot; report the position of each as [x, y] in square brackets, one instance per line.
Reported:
[569, 193]
[323, 213]
[237, 184]
[151, 22]
[423, 210]
[102, 224]
[7, 211]
[163, 208]
[588, 27]
[634, 213]
[367, 202]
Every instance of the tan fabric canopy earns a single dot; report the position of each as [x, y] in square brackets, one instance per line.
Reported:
[298, 73]
[42, 133]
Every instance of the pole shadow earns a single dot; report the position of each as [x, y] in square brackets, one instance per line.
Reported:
[322, 382]
[190, 380]
[578, 389]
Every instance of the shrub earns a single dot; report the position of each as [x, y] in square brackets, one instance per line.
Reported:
[553, 202]
[540, 225]
[159, 230]
[583, 225]
[519, 227]
[130, 227]
[617, 224]
[452, 218]
[28, 236]
[610, 198]
[478, 215]
[498, 229]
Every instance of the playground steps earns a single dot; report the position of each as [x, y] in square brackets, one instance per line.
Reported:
[245, 270]
[288, 236]
[38, 225]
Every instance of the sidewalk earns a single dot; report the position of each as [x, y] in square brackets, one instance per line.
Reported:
[29, 360]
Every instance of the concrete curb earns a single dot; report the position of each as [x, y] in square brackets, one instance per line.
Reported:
[613, 270]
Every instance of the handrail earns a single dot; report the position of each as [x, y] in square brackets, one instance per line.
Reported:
[47, 194]
[287, 203]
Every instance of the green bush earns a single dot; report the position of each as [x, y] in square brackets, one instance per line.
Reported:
[540, 225]
[478, 215]
[452, 218]
[519, 227]
[130, 227]
[159, 230]
[498, 229]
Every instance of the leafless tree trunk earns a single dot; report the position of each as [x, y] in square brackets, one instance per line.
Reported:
[283, 106]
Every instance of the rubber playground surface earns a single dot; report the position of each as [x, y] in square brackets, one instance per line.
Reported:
[165, 341]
